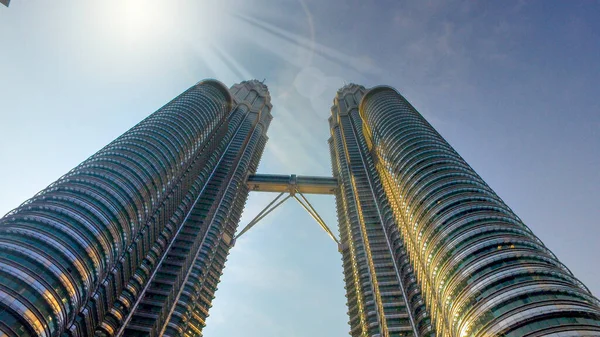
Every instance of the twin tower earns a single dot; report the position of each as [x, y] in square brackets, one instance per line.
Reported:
[132, 242]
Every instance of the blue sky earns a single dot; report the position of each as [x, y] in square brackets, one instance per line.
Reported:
[512, 85]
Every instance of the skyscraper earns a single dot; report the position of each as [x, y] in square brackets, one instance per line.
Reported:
[428, 247]
[383, 296]
[132, 242]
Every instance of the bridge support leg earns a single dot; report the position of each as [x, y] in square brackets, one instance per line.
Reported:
[268, 209]
[311, 210]
[308, 207]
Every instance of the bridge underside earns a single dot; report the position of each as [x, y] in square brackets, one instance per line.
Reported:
[295, 186]
[291, 183]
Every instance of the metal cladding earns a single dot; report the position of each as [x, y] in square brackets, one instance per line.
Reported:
[481, 271]
[383, 296]
[133, 240]
[291, 184]
[223, 204]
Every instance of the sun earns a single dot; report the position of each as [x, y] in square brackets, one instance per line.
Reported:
[139, 17]
[140, 20]
[152, 20]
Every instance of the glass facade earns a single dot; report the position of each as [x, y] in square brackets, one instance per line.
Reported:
[383, 296]
[133, 241]
[408, 201]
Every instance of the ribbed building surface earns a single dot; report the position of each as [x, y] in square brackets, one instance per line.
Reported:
[383, 296]
[407, 198]
[132, 241]
[250, 121]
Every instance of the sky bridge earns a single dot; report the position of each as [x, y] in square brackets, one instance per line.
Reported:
[291, 183]
[295, 187]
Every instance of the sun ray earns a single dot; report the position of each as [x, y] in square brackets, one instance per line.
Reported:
[237, 66]
[326, 52]
[215, 64]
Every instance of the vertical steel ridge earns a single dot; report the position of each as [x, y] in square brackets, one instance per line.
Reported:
[481, 270]
[179, 293]
[66, 254]
[350, 236]
[154, 305]
[133, 240]
[383, 297]
[242, 158]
